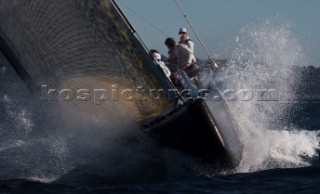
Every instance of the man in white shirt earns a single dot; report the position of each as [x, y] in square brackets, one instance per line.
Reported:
[185, 40]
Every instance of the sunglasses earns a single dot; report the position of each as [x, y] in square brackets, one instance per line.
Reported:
[182, 33]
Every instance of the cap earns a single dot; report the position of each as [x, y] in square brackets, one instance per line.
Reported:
[182, 30]
[156, 56]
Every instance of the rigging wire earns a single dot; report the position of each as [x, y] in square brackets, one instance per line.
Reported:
[142, 42]
[140, 16]
[196, 33]
[134, 31]
[137, 34]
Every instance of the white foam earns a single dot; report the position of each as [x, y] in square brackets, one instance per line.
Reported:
[263, 58]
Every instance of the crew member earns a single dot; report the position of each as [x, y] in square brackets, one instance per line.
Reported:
[157, 58]
[184, 39]
[180, 58]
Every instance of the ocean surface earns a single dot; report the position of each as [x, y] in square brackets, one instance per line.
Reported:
[303, 179]
[280, 136]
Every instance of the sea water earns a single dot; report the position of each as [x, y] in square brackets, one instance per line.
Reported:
[279, 155]
[263, 61]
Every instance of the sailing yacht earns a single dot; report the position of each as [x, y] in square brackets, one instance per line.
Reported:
[91, 43]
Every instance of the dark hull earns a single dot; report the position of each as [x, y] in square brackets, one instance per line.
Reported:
[194, 130]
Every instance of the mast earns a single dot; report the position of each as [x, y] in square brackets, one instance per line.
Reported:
[129, 25]
[140, 45]
[124, 17]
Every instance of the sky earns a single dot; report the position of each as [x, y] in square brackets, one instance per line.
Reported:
[219, 22]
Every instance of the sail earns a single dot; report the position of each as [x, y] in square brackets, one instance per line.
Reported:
[80, 52]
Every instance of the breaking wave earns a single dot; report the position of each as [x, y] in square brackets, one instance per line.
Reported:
[263, 59]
